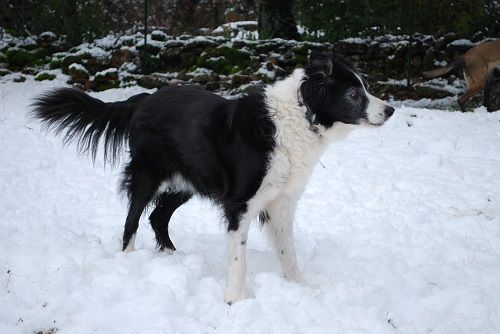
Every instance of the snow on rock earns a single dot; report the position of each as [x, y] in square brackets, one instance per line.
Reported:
[78, 67]
[462, 42]
[397, 231]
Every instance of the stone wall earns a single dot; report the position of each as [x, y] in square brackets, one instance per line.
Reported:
[218, 63]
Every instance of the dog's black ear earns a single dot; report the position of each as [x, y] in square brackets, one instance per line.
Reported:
[320, 64]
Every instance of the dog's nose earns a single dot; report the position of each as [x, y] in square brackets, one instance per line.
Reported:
[389, 111]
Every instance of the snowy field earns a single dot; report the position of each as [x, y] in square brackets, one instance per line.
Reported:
[397, 232]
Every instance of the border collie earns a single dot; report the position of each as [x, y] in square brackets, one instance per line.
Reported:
[252, 155]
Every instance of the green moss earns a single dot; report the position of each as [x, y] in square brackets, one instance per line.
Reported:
[3, 58]
[19, 57]
[107, 85]
[234, 56]
[225, 60]
[231, 69]
[68, 60]
[41, 55]
[44, 76]
[55, 63]
[214, 63]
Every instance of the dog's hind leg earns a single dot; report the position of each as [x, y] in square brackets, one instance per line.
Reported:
[166, 204]
[141, 187]
[278, 220]
[238, 225]
[490, 83]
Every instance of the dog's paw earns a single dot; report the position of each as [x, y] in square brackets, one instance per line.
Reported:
[231, 297]
[130, 245]
[129, 248]
[296, 277]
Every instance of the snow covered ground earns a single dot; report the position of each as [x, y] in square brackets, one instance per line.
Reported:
[397, 232]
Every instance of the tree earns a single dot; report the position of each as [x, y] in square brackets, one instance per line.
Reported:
[276, 19]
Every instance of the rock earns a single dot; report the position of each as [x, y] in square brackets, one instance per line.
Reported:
[152, 47]
[212, 85]
[158, 35]
[129, 67]
[202, 76]
[239, 79]
[401, 92]
[45, 76]
[121, 56]
[351, 48]
[106, 79]
[19, 78]
[4, 71]
[17, 57]
[78, 73]
[69, 60]
[30, 70]
[46, 38]
[214, 63]
[158, 80]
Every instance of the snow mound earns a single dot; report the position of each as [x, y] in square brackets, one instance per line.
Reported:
[398, 231]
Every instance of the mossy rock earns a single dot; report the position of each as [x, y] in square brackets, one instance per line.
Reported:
[214, 63]
[17, 57]
[158, 35]
[4, 71]
[55, 63]
[41, 55]
[30, 70]
[226, 60]
[45, 76]
[234, 56]
[151, 48]
[68, 60]
[19, 78]
[199, 44]
[240, 79]
[231, 69]
[108, 85]
[121, 56]
[46, 38]
[78, 73]
[106, 80]
[3, 58]
[154, 80]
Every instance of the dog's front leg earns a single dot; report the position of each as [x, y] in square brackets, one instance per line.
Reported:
[279, 226]
[237, 245]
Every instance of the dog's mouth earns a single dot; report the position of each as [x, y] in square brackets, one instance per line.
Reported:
[365, 122]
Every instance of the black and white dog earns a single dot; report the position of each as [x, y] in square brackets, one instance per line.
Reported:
[252, 155]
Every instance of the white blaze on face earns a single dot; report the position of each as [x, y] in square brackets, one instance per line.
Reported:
[375, 108]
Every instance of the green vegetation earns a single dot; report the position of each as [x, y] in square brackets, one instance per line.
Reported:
[331, 20]
[45, 76]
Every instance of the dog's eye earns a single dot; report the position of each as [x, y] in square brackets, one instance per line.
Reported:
[354, 94]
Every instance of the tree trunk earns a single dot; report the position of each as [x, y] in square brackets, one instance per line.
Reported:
[276, 19]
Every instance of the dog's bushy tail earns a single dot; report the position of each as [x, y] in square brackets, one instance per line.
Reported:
[86, 120]
[459, 62]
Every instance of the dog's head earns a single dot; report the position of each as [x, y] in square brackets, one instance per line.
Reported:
[334, 91]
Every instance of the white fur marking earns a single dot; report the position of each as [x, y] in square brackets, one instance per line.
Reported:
[280, 233]
[236, 270]
[297, 151]
[176, 184]
[375, 110]
[130, 245]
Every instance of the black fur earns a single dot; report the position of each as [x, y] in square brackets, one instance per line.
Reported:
[332, 92]
[86, 119]
[195, 142]
[220, 146]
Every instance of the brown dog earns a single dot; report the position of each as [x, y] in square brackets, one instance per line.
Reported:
[481, 66]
